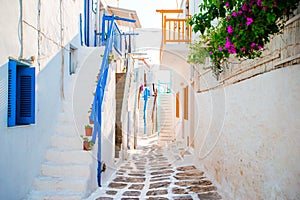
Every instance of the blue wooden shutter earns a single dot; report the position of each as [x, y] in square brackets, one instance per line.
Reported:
[26, 96]
[12, 84]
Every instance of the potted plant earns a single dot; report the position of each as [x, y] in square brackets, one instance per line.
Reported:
[87, 143]
[88, 130]
[89, 116]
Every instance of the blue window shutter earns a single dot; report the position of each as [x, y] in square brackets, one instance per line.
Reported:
[26, 96]
[12, 84]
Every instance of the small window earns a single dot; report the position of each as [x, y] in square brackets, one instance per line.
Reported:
[73, 54]
[21, 94]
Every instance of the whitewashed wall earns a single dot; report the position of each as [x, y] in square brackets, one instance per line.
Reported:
[247, 136]
[22, 148]
[108, 126]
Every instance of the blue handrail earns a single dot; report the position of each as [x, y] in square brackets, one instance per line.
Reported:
[98, 98]
[110, 37]
[107, 25]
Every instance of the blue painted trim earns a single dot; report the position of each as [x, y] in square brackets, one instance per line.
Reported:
[80, 22]
[12, 93]
[125, 19]
[95, 38]
[87, 22]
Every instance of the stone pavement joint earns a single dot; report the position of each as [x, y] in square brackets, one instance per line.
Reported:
[150, 174]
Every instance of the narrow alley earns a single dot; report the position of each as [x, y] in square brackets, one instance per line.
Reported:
[157, 172]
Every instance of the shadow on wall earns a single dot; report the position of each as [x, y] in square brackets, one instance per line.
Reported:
[22, 148]
[3, 95]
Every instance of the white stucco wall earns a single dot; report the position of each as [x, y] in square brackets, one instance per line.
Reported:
[108, 126]
[247, 136]
[22, 148]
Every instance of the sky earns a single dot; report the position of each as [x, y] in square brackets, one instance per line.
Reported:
[146, 10]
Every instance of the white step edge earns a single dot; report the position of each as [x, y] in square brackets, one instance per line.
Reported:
[57, 170]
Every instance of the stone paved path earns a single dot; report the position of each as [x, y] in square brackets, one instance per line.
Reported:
[150, 174]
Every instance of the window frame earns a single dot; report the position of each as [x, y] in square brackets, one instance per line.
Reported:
[21, 94]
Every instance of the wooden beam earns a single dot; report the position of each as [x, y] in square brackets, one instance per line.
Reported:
[170, 11]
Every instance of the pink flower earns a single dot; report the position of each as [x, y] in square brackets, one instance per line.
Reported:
[230, 30]
[274, 4]
[259, 47]
[240, 12]
[227, 44]
[265, 7]
[259, 3]
[249, 21]
[243, 49]
[234, 14]
[210, 52]
[220, 48]
[228, 18]
[227, 4]
[245, 7]
[252, 45]
[230, 47]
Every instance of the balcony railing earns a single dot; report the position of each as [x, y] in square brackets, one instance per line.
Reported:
[175, 29]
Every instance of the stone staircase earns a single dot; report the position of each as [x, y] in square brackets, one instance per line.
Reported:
[166, 109]
[68, 171]
[65, 173]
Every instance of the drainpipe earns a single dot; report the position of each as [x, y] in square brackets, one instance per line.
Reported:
[21, 29]
[62, 50]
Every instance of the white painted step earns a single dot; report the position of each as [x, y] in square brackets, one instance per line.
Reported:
[66, 129]
[66, 142]
[71, 157]
[61, 184]
[55, 195]
[49, 169]
[66, 117]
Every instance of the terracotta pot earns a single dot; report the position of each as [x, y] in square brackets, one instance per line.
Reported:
[90, 121]
[85, 145]
[88, 131]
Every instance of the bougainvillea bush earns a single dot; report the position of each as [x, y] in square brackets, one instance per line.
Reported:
[239, 27]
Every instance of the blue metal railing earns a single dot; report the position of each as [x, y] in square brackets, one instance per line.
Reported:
[96, 114]
[110, 37]
[109, 30]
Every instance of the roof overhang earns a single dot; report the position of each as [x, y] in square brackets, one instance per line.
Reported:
[125, 13]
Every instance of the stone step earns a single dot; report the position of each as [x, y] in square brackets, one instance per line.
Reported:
[67, 107]
[66, 142]
[60, 184]
[55, 195]
[65, 117]
[66, 129]
[57, 170]
[71, 156]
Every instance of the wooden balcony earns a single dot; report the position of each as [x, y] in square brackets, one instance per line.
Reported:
[175, 29]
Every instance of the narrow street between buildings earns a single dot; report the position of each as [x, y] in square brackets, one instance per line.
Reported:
[157, 172]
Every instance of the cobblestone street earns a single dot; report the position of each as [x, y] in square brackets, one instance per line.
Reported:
[151, 173]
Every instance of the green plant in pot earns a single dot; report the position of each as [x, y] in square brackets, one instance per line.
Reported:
[88, 130]
[87, 143]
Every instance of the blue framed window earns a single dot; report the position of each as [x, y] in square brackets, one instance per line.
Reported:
[21, 94]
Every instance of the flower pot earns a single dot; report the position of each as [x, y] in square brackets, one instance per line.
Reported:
[90, 121]
[86, 145]
[88, 131]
